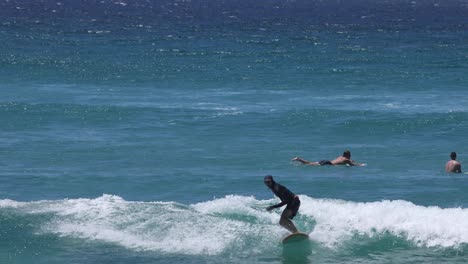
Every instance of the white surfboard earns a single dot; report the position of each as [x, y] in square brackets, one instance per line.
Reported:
[295, 237]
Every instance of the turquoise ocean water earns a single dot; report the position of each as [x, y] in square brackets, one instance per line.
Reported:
[140, 131]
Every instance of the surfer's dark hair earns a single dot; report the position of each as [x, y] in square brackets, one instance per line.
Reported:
[268, 178]
[453, 155]
[347, 153]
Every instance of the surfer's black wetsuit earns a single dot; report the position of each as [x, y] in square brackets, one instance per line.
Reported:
[286, 197]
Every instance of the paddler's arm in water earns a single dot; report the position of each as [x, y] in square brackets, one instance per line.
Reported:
[354, 163]
[269, 208]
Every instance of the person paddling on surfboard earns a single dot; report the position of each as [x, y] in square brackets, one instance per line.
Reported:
[287, 198]
[345, 159]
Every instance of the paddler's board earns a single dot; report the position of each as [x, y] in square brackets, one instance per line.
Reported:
[295, 237]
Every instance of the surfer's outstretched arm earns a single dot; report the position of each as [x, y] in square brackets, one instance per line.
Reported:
[269, 208]
[354, 163]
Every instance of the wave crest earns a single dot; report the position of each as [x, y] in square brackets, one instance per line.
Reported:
[241, 223]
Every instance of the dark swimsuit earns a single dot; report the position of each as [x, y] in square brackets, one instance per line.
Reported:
[287, 196]
[325, 162]
[294, 207]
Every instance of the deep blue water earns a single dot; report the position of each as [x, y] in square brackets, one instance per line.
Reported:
[140, 132]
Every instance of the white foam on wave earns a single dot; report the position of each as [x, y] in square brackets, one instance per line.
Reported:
[160, 226]
[338, 221]
[241, 223]
[254, 224]
[239, 205]
[167, 227]
[9, 203]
